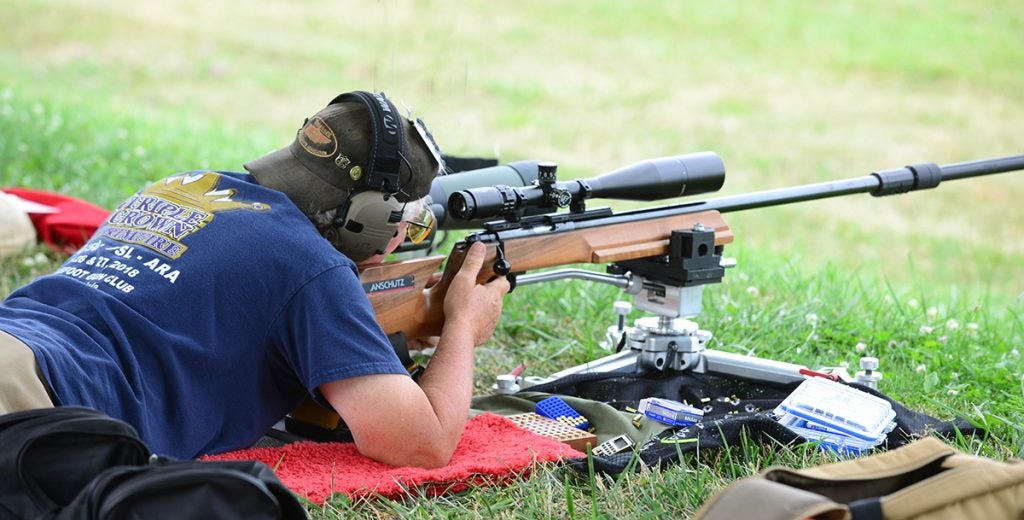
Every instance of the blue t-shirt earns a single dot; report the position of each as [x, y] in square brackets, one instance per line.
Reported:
[202, 311]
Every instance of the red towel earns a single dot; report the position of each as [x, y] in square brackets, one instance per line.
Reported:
[492, 451]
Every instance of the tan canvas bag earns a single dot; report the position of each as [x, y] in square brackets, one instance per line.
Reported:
[925, 480]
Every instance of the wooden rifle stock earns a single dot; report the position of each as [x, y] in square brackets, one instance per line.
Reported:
[403, 303]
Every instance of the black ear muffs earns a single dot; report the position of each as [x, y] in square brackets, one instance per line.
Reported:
[370, 217]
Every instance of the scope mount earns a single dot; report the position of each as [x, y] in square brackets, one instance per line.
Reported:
[553, 196]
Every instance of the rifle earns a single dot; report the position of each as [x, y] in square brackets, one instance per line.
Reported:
[662, 256]
[665, 250]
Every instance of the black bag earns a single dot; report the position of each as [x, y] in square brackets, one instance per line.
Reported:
[185, 489]
[77, 463]
[48, 455]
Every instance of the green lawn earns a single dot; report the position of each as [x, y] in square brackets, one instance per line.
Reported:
[99, 97]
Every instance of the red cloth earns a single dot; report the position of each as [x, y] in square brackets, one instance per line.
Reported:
[492, 451]
[70, 227]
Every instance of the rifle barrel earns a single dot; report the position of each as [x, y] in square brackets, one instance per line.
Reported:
[875, 183]
[966, 170]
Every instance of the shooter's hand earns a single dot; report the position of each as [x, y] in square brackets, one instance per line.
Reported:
[472, 305]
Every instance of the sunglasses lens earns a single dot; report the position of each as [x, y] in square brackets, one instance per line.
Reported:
[420, 227]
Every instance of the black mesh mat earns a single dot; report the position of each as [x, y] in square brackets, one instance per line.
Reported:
[733, 408]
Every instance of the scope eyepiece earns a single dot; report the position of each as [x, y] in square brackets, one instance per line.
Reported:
[461, 205]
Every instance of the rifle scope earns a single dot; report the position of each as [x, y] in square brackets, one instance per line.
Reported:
[652, 179]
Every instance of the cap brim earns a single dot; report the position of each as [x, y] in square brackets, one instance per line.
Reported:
[280, 170]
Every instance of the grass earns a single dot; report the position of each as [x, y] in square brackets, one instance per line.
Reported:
[99, 97]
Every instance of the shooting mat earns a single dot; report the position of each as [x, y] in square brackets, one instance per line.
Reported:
[733, 408]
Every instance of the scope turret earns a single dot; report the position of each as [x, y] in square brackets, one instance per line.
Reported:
[652, 179]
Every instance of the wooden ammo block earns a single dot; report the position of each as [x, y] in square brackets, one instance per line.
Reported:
[576, 439]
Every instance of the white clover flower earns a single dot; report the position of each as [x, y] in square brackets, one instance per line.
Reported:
[932, 312]
[952, 391]
[912, 303]
[943, 339]
[860, 347]
[955, 376]
[972, 330]
[952, 324]
[926, 330]
[921, 368]
[753, 291]
[811, 318]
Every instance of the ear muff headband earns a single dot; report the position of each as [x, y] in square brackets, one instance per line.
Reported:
[388, 145]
